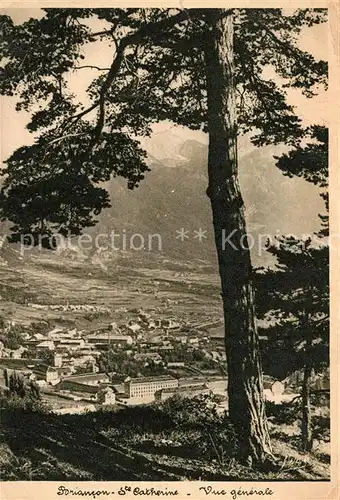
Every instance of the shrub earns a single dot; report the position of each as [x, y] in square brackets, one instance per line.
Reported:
[14, 403]
[284, 413]
[196, 423]
[321, 427]
[200, 411]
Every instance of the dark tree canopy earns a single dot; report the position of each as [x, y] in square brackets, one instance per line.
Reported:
[309, 160]
[296, 293]
[157, 73]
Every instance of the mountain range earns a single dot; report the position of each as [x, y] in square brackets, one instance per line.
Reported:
[172, 197]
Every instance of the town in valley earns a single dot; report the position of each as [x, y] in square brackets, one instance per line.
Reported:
[147, 358]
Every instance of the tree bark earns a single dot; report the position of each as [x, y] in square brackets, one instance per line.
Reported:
[245, 381]
[306, 424]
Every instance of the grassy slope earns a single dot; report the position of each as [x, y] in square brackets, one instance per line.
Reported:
[106, 446]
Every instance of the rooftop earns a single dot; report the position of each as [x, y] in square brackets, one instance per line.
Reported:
[192, 380]
[71, 341]
[87, 376]
[107, 390]
[64, 369]
[18, 363]
[43, 368]
[185, 389]
[107, 336]
[139, 380]
[148, 355]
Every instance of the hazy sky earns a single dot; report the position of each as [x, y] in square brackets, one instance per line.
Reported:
[13, 123]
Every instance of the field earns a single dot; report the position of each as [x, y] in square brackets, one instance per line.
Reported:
[47, 278]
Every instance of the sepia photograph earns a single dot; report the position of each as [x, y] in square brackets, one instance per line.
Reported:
[165, 248]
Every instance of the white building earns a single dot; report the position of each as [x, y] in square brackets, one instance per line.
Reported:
[134, 327]
[106, 396]
[46, 344]
[109, 338]
[146, 387]
[71, 344]
[58, 360]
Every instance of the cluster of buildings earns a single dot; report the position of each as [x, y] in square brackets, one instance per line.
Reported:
[69, 307]
[147, 389]
[76, 393]
[64, 362]
[68, 347]
[146, 338]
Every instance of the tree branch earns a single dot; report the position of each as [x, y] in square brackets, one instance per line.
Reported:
[101, 33]
[294, 51]
[74, 119]
[146, 33]
[61, 138]
[140, 36]
[92, 67]
[256, 82]
[152, 29]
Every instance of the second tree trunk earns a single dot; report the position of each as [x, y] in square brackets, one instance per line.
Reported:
[306, 423]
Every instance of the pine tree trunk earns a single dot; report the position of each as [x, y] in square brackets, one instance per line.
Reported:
[306, 424]
[245, 382]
